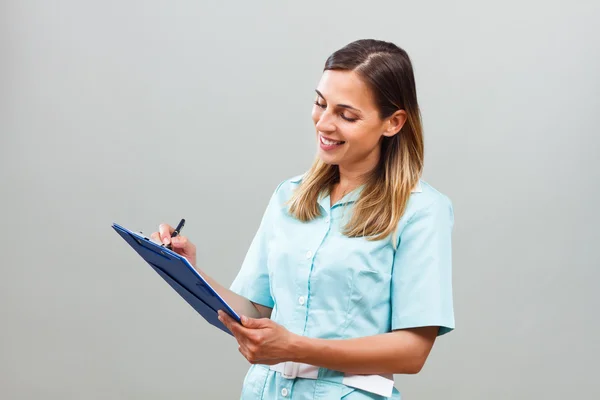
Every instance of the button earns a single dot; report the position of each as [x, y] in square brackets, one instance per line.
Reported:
[284, 392]
[327, 220]
[309, 254]
[301, 300]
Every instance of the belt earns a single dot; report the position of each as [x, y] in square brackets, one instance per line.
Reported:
[378, 384]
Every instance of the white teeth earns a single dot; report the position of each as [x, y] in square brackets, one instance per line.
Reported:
[328, 142]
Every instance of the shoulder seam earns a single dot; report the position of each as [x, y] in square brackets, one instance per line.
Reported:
[294, 179]
[439, 197]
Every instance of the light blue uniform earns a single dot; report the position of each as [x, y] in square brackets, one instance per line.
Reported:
[323, 284]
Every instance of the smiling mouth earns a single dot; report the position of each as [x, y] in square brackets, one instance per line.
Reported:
[328, 142]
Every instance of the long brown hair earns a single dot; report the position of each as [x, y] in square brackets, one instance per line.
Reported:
[387, 71]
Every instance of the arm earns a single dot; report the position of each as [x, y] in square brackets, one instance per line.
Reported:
[397, 352]
[181, 245]
[263, 341]
[240, 304]
[249, 293]
[421, 300]
[421, 304]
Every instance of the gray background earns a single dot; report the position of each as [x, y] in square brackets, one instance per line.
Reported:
[141, 112]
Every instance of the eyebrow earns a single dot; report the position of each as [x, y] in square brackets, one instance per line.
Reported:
[339, 105]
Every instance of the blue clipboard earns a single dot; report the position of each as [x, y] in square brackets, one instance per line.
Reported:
[181, 276]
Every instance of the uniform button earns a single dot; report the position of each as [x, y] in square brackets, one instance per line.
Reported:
[327, 220]
[301, 300]
[309, 254]
[284, 392]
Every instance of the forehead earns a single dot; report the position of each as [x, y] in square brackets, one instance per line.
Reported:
[346, 87]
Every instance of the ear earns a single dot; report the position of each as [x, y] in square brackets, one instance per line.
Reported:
[394, 123]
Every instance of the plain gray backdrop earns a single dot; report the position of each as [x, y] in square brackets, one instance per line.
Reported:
[142, 112]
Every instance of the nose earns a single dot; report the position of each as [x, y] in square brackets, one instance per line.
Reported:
[325, 122]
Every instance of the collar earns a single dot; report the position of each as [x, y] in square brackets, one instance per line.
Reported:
[350, 197]
[416, 189]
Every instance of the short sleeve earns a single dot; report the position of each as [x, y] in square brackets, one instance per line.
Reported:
[252, 280]
[422, 273]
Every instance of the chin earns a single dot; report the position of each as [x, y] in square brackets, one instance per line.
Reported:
[327, 160]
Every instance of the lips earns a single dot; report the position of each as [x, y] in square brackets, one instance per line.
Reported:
[330, 142]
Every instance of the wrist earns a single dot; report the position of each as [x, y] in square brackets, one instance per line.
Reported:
[300, 348]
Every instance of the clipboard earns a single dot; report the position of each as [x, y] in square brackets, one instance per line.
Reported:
[177, 271]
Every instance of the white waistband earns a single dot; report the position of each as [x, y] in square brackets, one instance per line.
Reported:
[378, 384]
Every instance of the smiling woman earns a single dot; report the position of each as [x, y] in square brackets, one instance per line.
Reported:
[348, 278]
[368, 128]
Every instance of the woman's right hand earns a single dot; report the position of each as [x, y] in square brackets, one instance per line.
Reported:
[179, 244]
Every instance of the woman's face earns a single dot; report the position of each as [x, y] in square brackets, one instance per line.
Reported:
[347, 122]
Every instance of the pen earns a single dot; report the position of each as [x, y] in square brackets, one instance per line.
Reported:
[176, 231]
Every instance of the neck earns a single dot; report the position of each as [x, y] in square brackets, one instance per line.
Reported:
[349, 181]
[354, 176]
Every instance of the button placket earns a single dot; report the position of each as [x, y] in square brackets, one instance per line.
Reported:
[303, 299]
[289, 374]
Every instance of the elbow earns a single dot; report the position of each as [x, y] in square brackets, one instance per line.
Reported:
[411, 369]
[415, 350]
[415, 365]
[415, 368]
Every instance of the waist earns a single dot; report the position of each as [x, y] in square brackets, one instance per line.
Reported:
[382, 385]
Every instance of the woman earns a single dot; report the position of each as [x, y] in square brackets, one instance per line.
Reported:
[348, 279]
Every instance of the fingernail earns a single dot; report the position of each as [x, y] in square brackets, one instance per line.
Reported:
[244, 319]
[166, 240]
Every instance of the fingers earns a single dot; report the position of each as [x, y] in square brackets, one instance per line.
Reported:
[179, 242]
[247, 326]
[249, 343]
[230, 323]
[165, 231]
[182, 245]
[155, 237]
[236, 330]
[256, 323]
[226, 320]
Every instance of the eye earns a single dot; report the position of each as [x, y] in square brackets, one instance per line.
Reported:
[348, 119]
[323, 106]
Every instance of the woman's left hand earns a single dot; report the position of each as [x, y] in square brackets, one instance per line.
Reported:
[261, 341]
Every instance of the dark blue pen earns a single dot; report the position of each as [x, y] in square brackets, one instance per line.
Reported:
[176, 231]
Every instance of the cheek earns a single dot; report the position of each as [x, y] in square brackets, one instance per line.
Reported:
[361, 139]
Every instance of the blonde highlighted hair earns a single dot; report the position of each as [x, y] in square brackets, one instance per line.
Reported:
[387, 71]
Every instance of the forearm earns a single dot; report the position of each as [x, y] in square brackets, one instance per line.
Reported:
[398, 352]
[240, 304]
